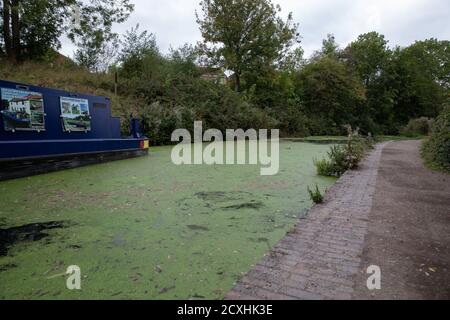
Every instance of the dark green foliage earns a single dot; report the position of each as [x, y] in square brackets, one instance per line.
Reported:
[436, 150]
[372, 87]
[245, 35]
[420, 80]
[316, 195]
[220, 108]
[368, 55]
[331, 95]
[40, 24]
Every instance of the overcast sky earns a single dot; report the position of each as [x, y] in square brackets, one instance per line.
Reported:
[401, 21]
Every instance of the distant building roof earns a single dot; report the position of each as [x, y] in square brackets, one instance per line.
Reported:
[213, 74]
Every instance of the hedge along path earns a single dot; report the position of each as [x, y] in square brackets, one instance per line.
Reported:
[321, 257]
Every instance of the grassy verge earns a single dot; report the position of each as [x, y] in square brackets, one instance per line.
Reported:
[320, 139]
[434, 165]
[344, 139]
[397, 138]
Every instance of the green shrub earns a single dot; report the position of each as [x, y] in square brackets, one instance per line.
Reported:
[344, 157]
[356, 149]
[316, 196]
[324, 167]
[336, 165]
[339, 159]
[436, 150]
[216, 106]
[417, 127]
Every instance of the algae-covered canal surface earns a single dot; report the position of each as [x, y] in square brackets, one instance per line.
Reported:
[147, 229]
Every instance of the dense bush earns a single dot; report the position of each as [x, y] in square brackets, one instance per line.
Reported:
[417, 127]
[173, 94]
[436, 149]
[342, 158]
[220, 109]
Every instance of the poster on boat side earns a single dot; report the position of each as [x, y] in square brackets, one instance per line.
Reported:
[75, 114]
[22, 110]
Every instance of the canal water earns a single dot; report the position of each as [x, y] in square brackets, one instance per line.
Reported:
[147, 229]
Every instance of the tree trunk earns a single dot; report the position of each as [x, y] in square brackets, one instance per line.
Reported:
[237, 79]
[15, 23]
[7, 27]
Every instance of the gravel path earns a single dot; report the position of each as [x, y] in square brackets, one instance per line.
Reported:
[392, 212]
[409, 229]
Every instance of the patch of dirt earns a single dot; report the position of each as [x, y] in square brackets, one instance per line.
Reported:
[219, 196]
[409, 229]
[265, 240]
[164, 290]
[198, 228]
[218, 200]
[248, 205]
[26, 233]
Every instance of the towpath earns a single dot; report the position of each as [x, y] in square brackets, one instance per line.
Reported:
[392, 213]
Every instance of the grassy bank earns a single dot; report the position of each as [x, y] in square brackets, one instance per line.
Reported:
[63, 74]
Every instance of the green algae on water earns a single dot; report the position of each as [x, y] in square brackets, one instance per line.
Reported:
[147, 229]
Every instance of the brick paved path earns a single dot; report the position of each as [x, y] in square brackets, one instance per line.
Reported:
[321, 257]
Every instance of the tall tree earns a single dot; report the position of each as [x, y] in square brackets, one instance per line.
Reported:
[6, 27]
[32, 28]
[332, 96]
[135, 46]
[330, 49]
[42, 23]
[422, 79]
[15, 29]
[243, 35]
[94, 36]
[368, 55]
[11, 30]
